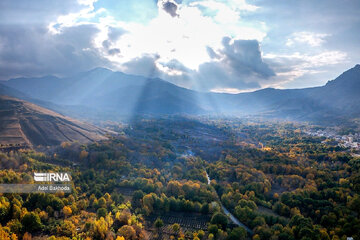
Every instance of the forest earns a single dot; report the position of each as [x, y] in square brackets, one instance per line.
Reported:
[172, 178]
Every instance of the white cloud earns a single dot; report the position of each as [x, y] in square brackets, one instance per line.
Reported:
[308, 61]
[232, 90]
[289, 67]
[310, 38]
[184, 37]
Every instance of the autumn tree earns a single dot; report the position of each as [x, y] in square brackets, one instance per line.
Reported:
[67, 211]
[128, 232]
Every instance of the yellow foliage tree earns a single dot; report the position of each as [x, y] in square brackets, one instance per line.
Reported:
[4, 235]
[83, 154]
[128, 232]
[27, 236]
[67, 211]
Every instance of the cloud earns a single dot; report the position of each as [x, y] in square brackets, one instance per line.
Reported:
[312, 39]
[170, 8]
[33, 51]
[88, 33]
[184, 42]
[291, 68]
[236, 65]
[150, 65]
[244, 57]
[143, 65]
[113, 34]
[37, 12]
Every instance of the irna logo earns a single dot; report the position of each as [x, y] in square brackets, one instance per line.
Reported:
[51, 177]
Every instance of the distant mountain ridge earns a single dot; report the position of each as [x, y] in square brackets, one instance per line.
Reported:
[116, 94]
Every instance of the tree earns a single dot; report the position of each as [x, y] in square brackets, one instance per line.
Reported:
[5, 235]
[27, 236]
[102, 202]
[303, 228]
[67, 228]
[355, 204]
[83, 154]
[213, 229]
[67, 211]
[158, 223]
[4, 207]
[128, 232]
[237, 233]
[122, 218]
[31, 222]
[101, 212]
[219, 219]
[175, 228]
[201, 234]
[99, 228]
[15, 226]
[137, 198]
[148, 202]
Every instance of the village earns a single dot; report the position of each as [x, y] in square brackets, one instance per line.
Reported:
[351, 141]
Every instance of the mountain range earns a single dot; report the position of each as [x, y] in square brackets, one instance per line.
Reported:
[102, 94]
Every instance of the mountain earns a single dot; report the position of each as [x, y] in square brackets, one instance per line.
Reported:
[27, 124]
[338, 100]
[107, 94]
[104, 90]
[343, 93]
[5, 90]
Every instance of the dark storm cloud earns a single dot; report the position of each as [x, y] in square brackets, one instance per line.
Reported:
[237, 65]
[32, 50]
[170, 8]
[114, 51]
[244, 58]
[113, 35]
[27, 48]
[143, 65]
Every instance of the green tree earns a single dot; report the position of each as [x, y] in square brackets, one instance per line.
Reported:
[175, 228]
[101, 212]
[137, 199]
[4, 207]
[219, 219]
[237, 233]
[158, 223]
[31, 222]
[213, 229]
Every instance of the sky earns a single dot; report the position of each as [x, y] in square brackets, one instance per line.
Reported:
[220, 46]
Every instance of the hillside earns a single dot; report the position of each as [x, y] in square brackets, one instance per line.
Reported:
[27, 124]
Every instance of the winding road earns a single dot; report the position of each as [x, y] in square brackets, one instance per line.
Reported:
[228, 213]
